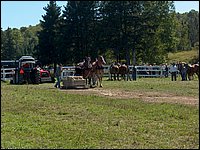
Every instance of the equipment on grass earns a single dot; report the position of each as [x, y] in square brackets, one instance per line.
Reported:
[74, 82]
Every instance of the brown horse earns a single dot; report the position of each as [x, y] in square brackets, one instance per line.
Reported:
[98, 71]
[124, 71]
[191, 70]
[114, 70]
[118, 69]
[84, 69]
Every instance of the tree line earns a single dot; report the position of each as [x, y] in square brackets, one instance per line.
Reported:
[131, 31]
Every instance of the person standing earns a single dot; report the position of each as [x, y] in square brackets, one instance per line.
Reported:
[184, 72]
[58, 75]
[173, 70]
[134, 73]
[166, 71]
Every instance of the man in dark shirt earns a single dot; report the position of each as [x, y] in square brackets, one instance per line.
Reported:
[134, 72]
[58, 75]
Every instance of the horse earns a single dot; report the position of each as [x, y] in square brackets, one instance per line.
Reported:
[98, 70]
[191, 70]
[84, 69]
[114, 70]
[124, 70]
[118, 69]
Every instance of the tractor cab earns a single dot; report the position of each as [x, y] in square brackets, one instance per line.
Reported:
[27, 61]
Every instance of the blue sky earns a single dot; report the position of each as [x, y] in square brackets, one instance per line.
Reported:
[16, 14]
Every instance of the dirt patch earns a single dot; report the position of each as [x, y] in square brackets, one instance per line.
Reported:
[145, 96]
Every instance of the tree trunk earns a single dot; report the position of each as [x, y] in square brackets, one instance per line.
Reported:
[127, 56]
[134, 58]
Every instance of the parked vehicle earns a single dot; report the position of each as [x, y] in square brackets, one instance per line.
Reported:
[29, 72]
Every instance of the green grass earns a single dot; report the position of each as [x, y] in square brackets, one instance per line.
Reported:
[183, 56]
[161, 85]
[40, 116]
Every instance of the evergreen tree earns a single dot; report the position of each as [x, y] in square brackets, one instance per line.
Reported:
[48, 36]
[78, 29]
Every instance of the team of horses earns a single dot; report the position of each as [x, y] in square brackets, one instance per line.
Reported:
[91, 71]
[117, 69]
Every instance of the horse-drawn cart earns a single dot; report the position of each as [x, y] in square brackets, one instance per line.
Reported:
[74, 82]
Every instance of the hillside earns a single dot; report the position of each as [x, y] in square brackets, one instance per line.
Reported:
[185, 56]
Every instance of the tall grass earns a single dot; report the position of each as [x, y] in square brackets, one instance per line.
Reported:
[40, 116]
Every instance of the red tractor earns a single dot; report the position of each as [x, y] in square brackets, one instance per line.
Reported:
[28, 72]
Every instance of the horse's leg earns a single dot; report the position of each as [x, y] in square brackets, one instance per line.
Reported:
[128, 77]
[193, 76]
[99, 78]
[89, 81]
[96, 79]
[190, 76]
[118, 76]
[93, 80]
[123, 77]
[100, 82]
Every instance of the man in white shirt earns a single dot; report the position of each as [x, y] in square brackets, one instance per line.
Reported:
[173, 70]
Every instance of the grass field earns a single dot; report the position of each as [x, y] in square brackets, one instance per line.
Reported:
[183, 56]
[40, 116]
